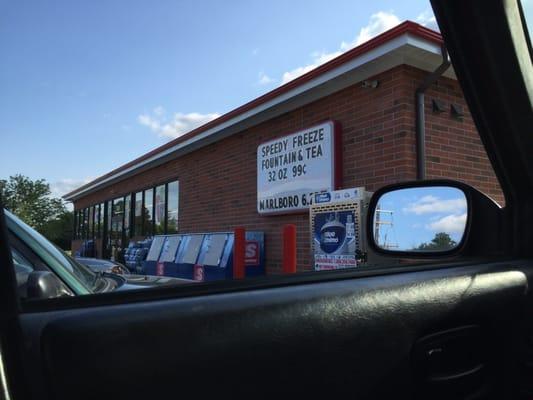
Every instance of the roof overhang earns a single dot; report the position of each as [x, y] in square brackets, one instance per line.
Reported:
[408, 44]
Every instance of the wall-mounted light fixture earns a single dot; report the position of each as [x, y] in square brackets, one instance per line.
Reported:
[456, 111]
[370, 84]
[438, 105]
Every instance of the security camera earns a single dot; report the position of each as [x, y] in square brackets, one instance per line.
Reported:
[370, 84]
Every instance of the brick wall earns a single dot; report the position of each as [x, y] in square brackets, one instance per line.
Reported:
[218, 182]
[453, 146]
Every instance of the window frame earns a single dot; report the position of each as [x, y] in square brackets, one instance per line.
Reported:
[138, 228]
[177, 207]
[163, 223]
[147, 232]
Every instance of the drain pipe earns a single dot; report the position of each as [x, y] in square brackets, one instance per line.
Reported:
[420, 123]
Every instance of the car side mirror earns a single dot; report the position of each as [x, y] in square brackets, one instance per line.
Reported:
[434, 218]
[44, 285]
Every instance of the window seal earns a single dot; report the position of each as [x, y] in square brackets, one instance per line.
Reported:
[258, 283]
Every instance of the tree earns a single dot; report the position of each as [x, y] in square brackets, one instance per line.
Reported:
[441, 241]
[31, 201]
[59, 230]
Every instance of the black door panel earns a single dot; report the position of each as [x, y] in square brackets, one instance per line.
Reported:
[340, 339]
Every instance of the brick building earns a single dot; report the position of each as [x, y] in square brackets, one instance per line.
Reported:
[206, 180]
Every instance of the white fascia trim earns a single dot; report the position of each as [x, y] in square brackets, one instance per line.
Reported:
[423, 44]
[396, 43]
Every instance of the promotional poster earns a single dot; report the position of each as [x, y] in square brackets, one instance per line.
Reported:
[334, 240]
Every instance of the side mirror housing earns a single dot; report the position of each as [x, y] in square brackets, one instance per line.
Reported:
[434, 218]
[44, 285]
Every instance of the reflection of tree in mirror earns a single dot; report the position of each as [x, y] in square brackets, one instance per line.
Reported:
[442, 241]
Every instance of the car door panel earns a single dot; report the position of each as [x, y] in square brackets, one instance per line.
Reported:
[351, 337]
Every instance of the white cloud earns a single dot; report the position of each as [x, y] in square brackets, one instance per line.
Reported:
[147, 120]
[264, 79]
[318, 59]
[432, 205]
[378, 23]
[159, 111]
[255, 52]
[449, 224]
[428, 20]
[178, 125]
[63, 186]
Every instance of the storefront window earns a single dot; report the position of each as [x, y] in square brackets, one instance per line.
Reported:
[160, 210]
[148, 212]
[109, 213]
[85, 223]
[101, 221]
[96, 220]
[117, 218]
[76, 224]
[98, 211]
[117, 224]
[172, 207]
[107, 228]
[138, 199]
[90, 225]
[81, 225]
[127, 216]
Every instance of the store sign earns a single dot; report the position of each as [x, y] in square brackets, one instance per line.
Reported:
[160, 269]
[251, 255]
[198, 273]
[339, 195]
[291, 169]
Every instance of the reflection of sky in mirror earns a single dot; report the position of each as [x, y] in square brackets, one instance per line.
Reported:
[417, 214]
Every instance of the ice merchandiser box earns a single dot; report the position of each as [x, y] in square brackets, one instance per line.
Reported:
[150, 264]
[203, 256]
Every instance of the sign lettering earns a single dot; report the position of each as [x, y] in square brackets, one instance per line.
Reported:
[291, 169]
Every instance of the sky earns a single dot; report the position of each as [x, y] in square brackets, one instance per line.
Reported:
[417, 214]
[87, 86]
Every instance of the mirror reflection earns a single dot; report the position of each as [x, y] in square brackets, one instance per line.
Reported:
[420, 219]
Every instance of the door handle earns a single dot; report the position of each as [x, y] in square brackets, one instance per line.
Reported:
[451, 362]
[441, 378]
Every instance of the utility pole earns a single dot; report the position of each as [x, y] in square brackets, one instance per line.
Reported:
[378, 222]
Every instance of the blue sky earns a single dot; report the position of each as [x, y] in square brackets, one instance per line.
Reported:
[89, 85]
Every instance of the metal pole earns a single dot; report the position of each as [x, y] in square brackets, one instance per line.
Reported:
[289, 249]
[420, 122]
[239, 245]
[420, 136]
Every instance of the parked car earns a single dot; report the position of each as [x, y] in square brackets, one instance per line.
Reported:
[44, 271]
[101, 265]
